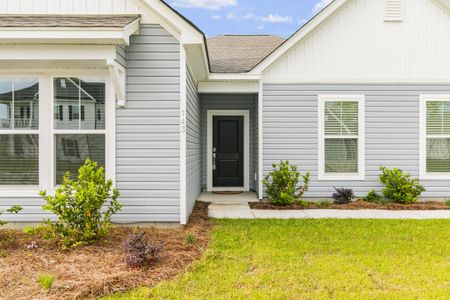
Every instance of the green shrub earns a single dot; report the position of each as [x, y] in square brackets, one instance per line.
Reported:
[13, 210]
[78, 205]
[374, 197]
[400, 187]
[46, 281]
[447, 202]
[282, 184]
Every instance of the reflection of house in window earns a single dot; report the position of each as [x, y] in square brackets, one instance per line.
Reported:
[19, 109]
[70, 148]
[82, 100]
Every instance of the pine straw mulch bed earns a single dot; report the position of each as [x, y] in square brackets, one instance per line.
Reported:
[360, 204]
[95, 270]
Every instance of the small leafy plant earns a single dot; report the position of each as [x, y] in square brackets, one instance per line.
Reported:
[139, 252]
[46, 281]
[447, 202]
[374, 197]
[400, 187]
[343, 196]
[191, 239]
[78, 205]
[13, 210]
[282, 184]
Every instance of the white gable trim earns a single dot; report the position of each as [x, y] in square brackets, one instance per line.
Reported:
[299, 35]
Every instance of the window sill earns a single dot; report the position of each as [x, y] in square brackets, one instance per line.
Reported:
[341, 177]
[19, 192]
[435, 176]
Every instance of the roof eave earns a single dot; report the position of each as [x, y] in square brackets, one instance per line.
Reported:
[69, 35]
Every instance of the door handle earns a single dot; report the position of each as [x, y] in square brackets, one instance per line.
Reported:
[214, 159]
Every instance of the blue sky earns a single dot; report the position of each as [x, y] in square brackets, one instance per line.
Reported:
[278, 17]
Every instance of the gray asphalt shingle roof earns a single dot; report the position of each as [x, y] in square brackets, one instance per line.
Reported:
[66, 21]
[240, 53]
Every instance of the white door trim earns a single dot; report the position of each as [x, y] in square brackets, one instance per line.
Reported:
[246, 115]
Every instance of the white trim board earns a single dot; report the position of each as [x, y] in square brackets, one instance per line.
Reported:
[183, 138]
[246, 115]
[322, 176]
[423, 174]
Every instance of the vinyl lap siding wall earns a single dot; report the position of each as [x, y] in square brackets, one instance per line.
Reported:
[148, 132]
[391, 131]
[230, 102]
[193, 144]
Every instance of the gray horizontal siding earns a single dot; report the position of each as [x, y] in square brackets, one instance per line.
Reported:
[391, 131]
[193, 144]
[230, 102]
[147, 133]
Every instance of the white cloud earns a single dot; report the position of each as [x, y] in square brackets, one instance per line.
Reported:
[268, 19]
[230, 16]
[321, 5]
[216, 17]
[277, 19]
[260, 27]
[206, 4]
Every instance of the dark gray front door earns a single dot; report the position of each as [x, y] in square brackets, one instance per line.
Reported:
[228, 148]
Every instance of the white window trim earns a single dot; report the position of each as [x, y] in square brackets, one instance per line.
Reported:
[24, 190]
[423, 174]
[246, 115]
[360, 175]
[46, 130]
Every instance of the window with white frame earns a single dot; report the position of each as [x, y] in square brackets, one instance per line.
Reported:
[435, 136]
[19, 131]
[341, 137]
[81, 135]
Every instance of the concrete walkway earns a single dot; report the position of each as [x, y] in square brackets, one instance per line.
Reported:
[243, 211]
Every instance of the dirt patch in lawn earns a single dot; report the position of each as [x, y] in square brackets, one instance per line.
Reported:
[360, 204]
[95, 270]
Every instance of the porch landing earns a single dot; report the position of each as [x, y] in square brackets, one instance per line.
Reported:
[242, 198]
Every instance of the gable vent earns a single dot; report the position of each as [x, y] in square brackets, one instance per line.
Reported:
[393, 11]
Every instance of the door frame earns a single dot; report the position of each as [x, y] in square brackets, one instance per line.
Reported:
[231, 113]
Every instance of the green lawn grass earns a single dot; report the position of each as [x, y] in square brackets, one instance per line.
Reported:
[317, 259]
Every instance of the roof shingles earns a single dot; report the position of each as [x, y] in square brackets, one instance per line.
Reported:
[240, 53]
[66, 21]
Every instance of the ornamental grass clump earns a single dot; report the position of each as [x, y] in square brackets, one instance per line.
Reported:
[400, 187]
[282, 184]
[84, 207]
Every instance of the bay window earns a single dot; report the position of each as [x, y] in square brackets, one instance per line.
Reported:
[435, 137]
[341, 137]
[50, 125]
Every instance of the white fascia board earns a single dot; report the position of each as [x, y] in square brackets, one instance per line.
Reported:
[299, 35]
[18, 52]
[64, 35]
[171, 21]
[228, 87]
[234, 76]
